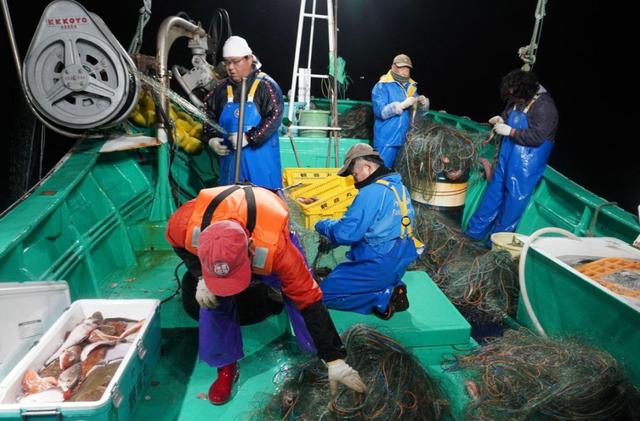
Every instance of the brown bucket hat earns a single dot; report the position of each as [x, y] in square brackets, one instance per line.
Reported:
[356, 151]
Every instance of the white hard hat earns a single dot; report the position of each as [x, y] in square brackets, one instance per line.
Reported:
[236, 46]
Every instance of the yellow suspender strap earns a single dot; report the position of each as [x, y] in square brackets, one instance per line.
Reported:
[526, 110]
[254, 86]
[252, 90]
[229, 94]
[405, 222]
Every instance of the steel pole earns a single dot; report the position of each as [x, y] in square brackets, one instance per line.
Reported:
[240, 132]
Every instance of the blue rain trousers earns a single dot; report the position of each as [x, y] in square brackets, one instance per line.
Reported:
[378, 257]
[516, 175]
[220, 335]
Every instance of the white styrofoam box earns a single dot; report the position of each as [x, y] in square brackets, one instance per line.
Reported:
[567, 252]
[10, 388]
[27, 310]
[589, 247]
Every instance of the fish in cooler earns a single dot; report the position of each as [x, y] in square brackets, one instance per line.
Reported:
[82, 367]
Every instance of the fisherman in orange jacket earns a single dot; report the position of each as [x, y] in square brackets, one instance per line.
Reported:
[226, 235]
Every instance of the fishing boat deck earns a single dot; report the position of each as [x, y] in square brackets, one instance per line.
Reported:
[177, 387]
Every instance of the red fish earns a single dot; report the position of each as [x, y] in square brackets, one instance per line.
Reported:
[70, 356]
[77, 336]
[70, 377]
[33, 383]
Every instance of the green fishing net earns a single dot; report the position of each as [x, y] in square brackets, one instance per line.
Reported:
[523, 376]
[398, 386]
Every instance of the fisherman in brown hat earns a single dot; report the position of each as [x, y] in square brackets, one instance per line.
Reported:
[378, 226]
[393, 98]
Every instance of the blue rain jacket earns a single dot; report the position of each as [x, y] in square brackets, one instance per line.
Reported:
[390, 129]
[378, 257]
[517, 173]
[260, 164]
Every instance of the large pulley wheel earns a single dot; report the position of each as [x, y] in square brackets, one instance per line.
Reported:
[75, 73]
[76, 81]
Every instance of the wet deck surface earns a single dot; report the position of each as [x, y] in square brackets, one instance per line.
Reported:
[177, 387]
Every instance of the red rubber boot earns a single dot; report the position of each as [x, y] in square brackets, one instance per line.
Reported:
[220, 390]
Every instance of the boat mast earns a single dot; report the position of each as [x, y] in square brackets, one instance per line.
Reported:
[301, 77]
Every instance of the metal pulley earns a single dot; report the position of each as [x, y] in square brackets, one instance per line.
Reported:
[76, 74]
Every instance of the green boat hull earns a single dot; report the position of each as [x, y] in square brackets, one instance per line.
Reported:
[98, 221]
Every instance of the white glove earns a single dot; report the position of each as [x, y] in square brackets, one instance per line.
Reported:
[496, 120]
[424, 101]
[502, 129]
[339, 371]
[215, 143]
[204, 297]
[409, 102]
[233, 138]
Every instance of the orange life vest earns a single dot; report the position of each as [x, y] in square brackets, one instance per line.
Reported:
[260, 211]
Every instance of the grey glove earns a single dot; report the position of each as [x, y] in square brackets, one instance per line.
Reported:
[502, 129]
[424, 102]
[496, 120]
[341, 372]
[216, 144]
[409, 102]
[204, 297]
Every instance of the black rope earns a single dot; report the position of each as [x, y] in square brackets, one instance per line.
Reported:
[177, 279]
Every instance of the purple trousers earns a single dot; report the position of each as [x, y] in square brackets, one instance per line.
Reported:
[220, 335]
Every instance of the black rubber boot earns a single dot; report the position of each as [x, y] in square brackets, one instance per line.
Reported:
[397, 302]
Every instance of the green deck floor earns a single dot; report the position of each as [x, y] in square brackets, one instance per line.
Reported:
[179, 383]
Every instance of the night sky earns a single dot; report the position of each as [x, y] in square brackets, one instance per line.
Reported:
[460, 50]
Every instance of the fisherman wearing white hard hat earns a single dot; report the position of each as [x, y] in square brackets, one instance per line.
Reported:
[259, 139]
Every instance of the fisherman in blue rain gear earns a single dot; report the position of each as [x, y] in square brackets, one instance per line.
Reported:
[394, 98]
[378, 227]
[263, 113]
[528, 126]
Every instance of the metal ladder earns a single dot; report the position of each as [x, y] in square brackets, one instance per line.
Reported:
[301, 77]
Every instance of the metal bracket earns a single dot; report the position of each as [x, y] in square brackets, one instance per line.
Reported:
[594, 218]
[141, 350]
[33, 413]
[116, 396]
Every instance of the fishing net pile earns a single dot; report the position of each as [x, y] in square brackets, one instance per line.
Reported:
[482, 283]
[437, 152]
[357, 122]
[398, 387]
[525, 376]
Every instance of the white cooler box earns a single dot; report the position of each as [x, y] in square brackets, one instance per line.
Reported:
[28, 309]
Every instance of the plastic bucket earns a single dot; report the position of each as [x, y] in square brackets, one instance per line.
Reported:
[314, 118]
[443, 195]
[509, 241]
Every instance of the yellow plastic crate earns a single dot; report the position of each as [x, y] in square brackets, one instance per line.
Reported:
[333, 196]
[324, 188]
[311, 219]
[306, 176]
